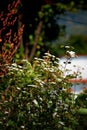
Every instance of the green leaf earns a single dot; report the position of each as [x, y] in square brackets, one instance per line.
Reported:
[7, 46]
[82, 111]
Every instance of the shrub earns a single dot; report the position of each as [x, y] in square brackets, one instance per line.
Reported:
[35, 97]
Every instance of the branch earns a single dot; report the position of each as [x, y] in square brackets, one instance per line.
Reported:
[38, 31]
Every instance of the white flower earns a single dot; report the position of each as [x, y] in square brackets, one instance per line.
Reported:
[67, 47]
[40, 99]
[48, 54]
[18, 88]
[71, 54]
[35, 102]
[14, 65]
[22, 127]
[58, 59]
[54, 114]
[6, 112]
[52, 56]
[60, 122]
[36, 58]
[25, 60]
[45, 63]
[56, 63]
[59, 80]
[20, 67]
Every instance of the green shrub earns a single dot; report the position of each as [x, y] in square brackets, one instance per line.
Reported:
[35, 97]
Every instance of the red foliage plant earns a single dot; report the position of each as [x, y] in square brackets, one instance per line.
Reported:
[10, 35]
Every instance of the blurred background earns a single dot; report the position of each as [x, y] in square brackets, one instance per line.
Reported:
[48, 24]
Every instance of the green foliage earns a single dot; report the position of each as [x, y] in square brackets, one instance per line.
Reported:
[19, 54]
[79, 43]
[81, 102]
[82, 111]
[35, 97]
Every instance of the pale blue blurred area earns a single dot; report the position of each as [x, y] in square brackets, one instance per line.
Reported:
[76, 23]
[78, 88]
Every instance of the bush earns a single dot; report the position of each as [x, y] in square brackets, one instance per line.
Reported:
[35, 97]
